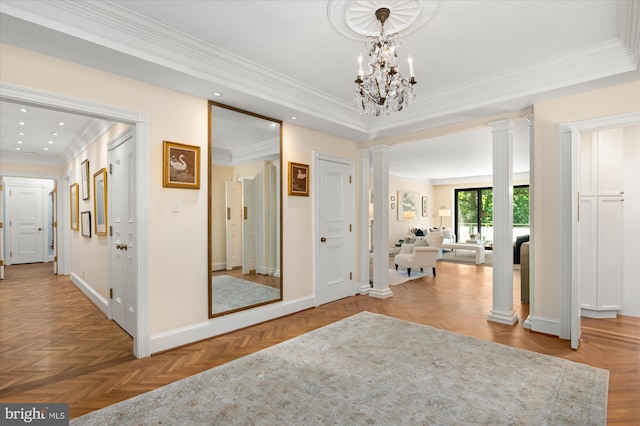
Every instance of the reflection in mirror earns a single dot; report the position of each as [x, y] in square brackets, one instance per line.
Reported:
[245, 223]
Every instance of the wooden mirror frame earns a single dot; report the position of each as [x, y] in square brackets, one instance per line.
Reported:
[212, 104]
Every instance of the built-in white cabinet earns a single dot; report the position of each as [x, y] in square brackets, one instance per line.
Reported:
[601, 223]
[601, 160]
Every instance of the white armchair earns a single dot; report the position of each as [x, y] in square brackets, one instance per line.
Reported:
[420, 255]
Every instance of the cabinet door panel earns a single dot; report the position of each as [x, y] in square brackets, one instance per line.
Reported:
[588, 164]
[610, 161]
[610, 253]
[588, 253]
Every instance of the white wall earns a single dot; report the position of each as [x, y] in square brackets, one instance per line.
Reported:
[398, 229]
[89, 255]
[631, 221]
[549, 115]
[178, 241]
[299, 145]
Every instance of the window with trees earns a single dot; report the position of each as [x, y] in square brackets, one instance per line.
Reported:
[474, 213]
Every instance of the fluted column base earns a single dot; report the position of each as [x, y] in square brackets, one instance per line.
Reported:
[503, 317]
[381, 293]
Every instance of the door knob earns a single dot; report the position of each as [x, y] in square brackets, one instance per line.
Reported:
[323, 239]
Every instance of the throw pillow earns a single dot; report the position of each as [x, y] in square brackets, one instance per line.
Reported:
[421, 242]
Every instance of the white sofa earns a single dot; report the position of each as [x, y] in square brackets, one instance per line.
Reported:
[448, 236]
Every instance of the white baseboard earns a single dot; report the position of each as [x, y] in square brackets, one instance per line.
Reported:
[227, 323]
[590, 313]
[92, 295]
[544, 325]
[222, 266]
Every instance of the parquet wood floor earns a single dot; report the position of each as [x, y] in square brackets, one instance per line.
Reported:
[55, 346]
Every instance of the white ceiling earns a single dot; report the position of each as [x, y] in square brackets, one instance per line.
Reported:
[473, 59]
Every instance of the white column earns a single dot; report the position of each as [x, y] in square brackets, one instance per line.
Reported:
[502, 310]
[527, 322]
[365, 287]
[568, 222]
[380, 288]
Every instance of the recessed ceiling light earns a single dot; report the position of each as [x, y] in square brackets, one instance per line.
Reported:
[50, 142]
[294, 118]
[61, 123]
[23, 110]
[20, 142]
[18, 148]
[216, 94]
[273, 124]
[21, 134]
[21, 123]
[46, 149]
[54, 134]
[29, 153]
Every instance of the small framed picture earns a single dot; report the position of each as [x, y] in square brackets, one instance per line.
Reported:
[74, 203]
[298, 179]
[180, 165]
[84, 171]
[86, 224]
[425, 204]
[100, 201]
[408, 205]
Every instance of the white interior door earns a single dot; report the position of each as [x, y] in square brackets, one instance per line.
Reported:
[54, 229]
[233, 192]
[26, 224]
[334, 207]
[249, 199]
[123, 241]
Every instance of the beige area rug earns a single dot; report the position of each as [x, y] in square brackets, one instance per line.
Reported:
[399, 276]
[373, 369]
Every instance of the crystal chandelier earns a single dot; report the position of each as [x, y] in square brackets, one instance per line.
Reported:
[383, 88]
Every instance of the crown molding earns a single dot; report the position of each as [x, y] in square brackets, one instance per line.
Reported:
[221, 156]
[598, 61]
[112, 26]
[104, 120]
[87, 136]
[465, 180]
[259, 151]
[39, 98]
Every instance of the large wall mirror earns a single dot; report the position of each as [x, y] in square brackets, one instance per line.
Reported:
[245, 202]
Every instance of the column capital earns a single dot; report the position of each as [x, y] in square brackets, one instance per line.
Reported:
[364, 152]
[502, 125]
[381, 149]
[530, 119]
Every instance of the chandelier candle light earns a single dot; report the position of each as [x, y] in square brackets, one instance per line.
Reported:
[383, 88]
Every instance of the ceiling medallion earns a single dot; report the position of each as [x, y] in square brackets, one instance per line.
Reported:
[356, 18]
[381, 88]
